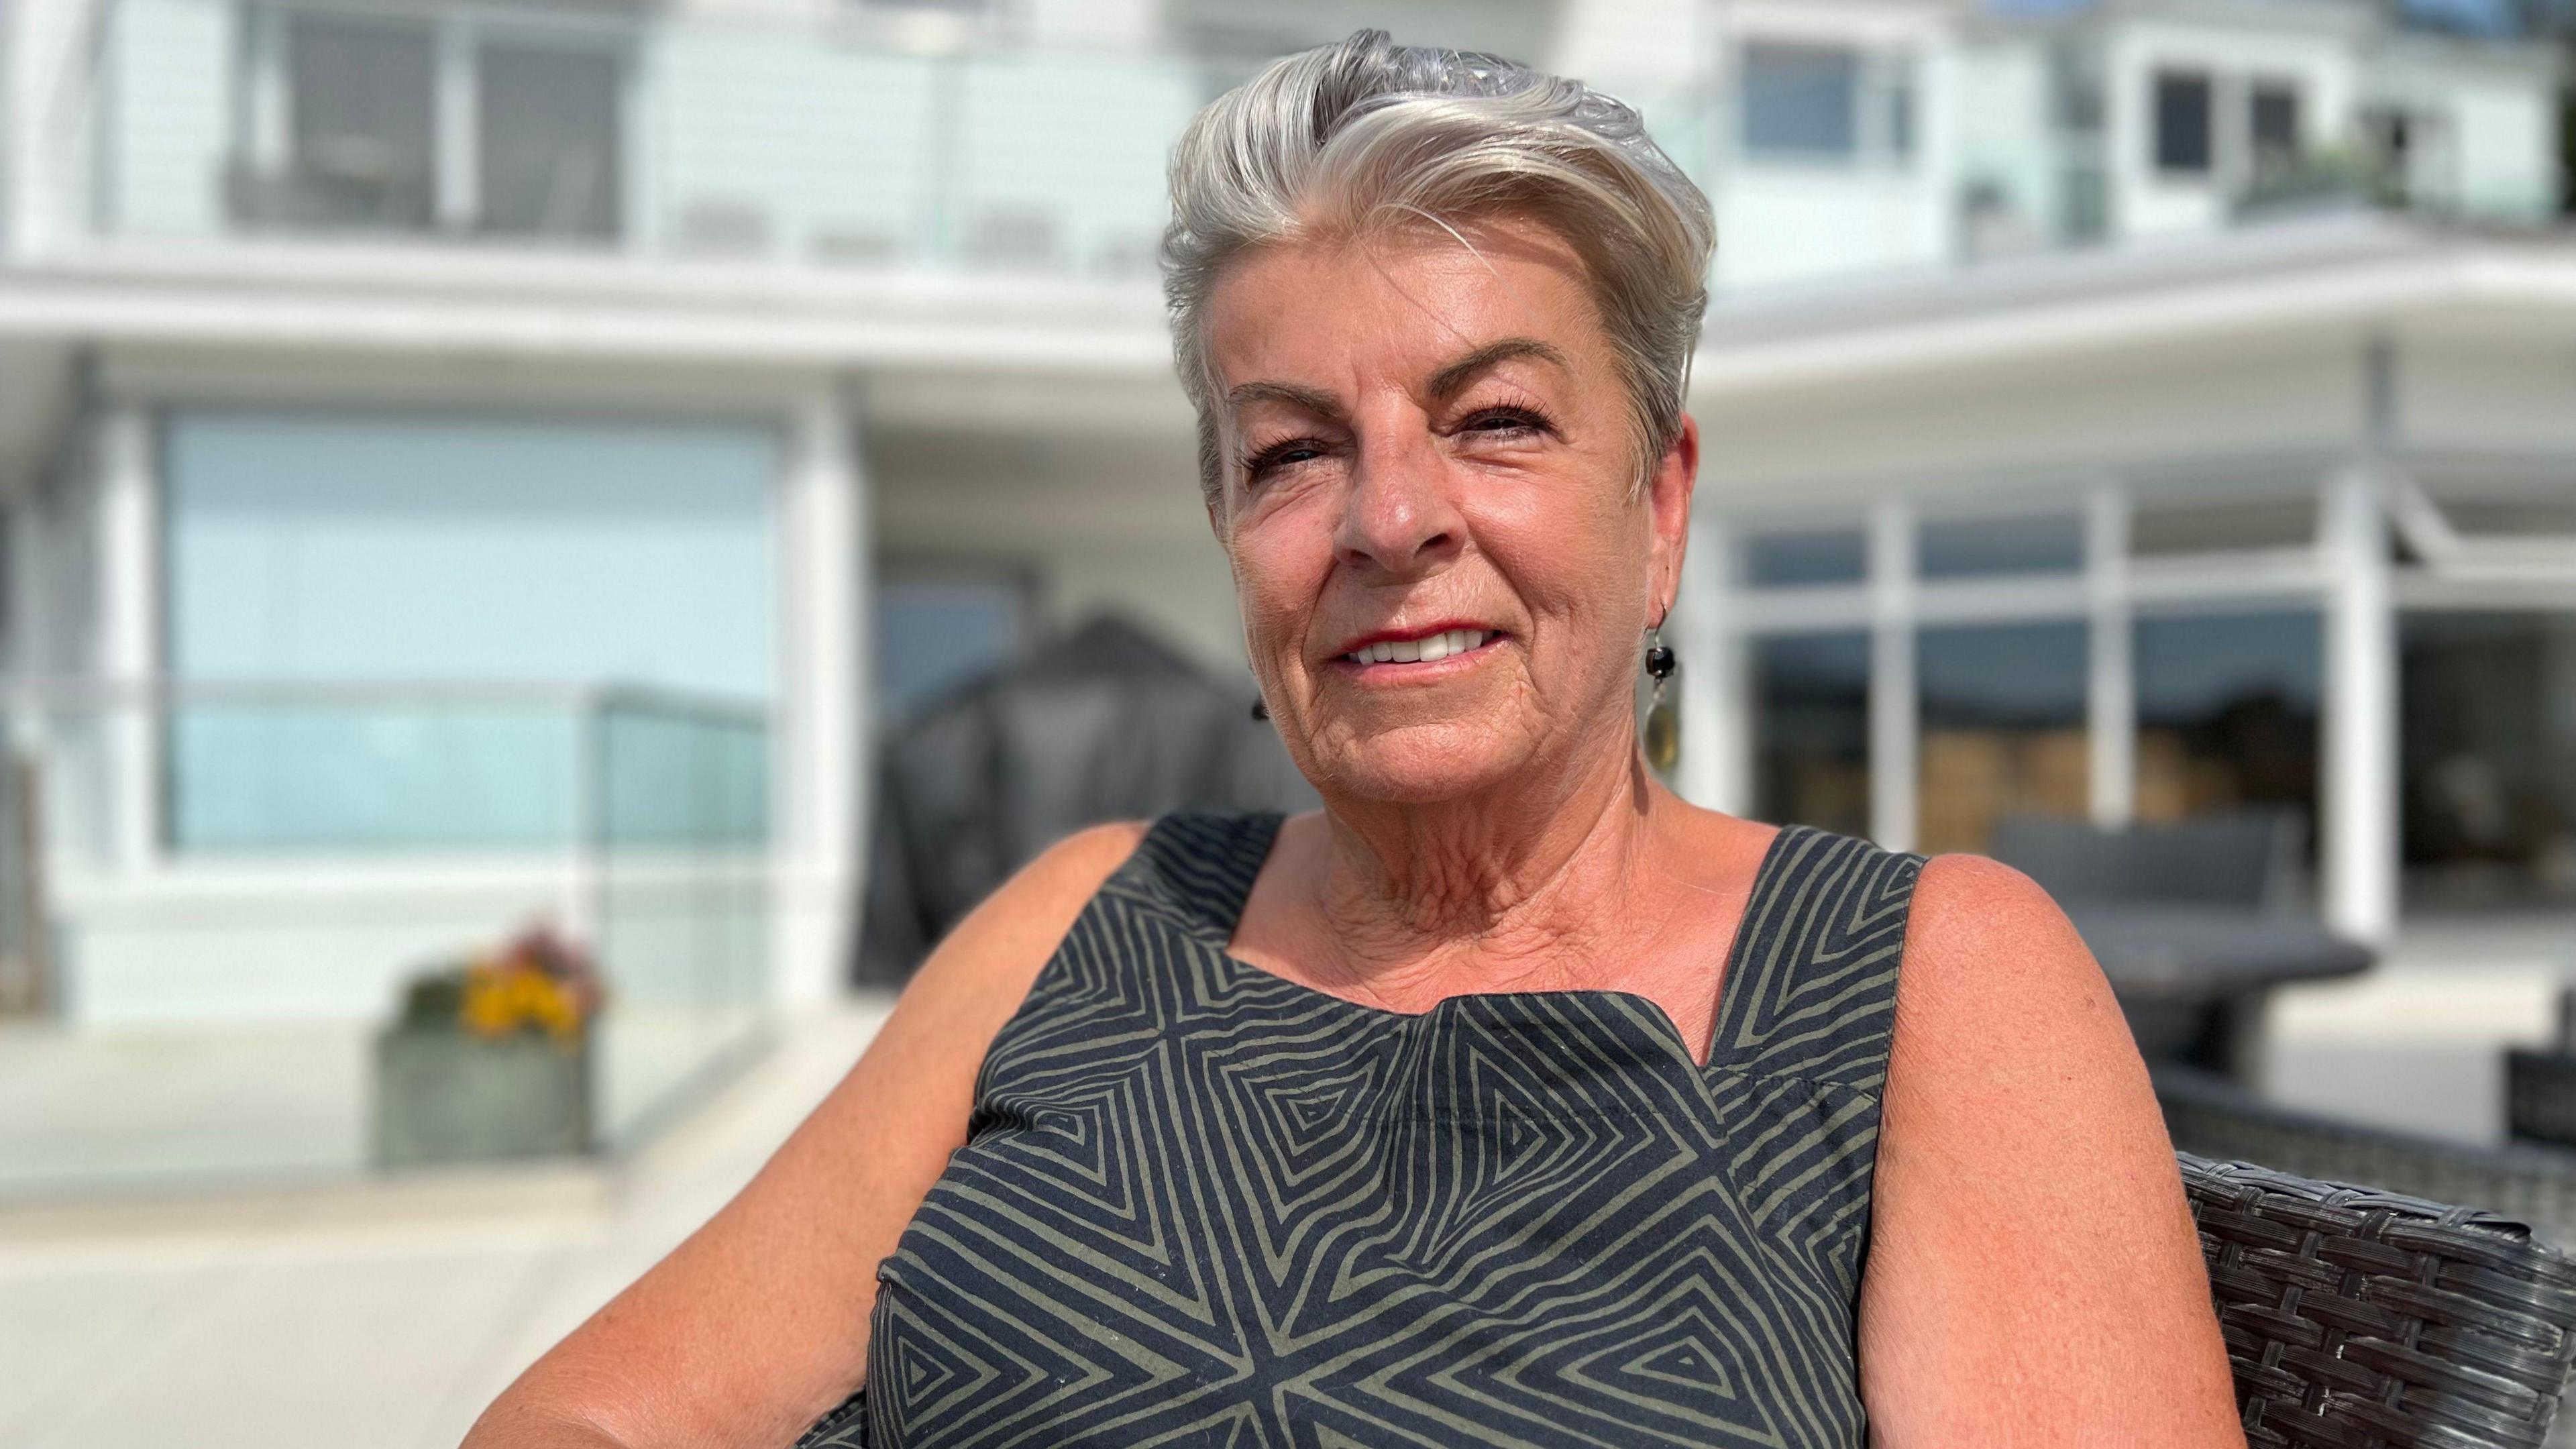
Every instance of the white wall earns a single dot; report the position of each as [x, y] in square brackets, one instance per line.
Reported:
[2005, 100]
[172, 94]
[1954, 428]
[1101, 522]
[1781, 221]
[44, 131]
[2500, 159]
[2490, 388]
[2145, 202]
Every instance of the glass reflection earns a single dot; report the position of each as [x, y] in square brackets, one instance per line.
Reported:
[2227, 714]
[2003, 729]
[2488, 726]
[1811, 730]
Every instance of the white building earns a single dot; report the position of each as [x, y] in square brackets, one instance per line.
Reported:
[380, 383]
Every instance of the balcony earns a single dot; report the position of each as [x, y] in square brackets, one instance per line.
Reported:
[720, 139]
[586, 134]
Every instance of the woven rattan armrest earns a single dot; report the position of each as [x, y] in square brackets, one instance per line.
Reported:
[2361, 1318]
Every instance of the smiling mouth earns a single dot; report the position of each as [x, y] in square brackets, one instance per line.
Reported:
[1429, 649]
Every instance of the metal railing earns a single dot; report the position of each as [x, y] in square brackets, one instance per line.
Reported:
[837, 144]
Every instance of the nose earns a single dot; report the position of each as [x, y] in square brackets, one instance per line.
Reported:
[1401, 519]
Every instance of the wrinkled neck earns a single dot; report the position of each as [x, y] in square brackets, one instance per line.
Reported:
[1505, 887]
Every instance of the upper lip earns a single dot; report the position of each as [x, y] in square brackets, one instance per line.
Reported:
[1358, 642]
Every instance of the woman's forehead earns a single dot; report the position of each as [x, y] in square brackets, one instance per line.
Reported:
[1407, 305]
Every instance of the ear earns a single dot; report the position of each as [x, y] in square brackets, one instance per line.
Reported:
[1668, 499]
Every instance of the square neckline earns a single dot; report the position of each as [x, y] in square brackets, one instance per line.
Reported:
[1219, 929]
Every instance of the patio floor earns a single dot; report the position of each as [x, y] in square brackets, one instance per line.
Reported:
[380, 1312]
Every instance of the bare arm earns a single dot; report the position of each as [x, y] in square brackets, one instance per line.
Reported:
[758, 1323]
[2033, 1276]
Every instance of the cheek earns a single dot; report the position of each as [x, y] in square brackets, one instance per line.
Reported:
[1577, 564]
[1279, 569]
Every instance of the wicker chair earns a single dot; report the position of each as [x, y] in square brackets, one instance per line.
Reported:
[2362, 1318]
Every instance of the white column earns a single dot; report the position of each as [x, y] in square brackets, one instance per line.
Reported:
[2111, 695]
[46, 120]
[1895, 716]
[1716, 769]
[128, 638]
[821, 780]
[2361, 804]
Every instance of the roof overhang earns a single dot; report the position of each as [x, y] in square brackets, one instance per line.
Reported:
[2361, 273]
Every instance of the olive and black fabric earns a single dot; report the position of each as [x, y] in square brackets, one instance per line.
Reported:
[1105, 723]
[1203, 1205]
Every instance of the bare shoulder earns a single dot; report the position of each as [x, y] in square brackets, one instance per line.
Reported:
[1982, 934]
[1005, 941]
[2033, 1276]
[758, 1323]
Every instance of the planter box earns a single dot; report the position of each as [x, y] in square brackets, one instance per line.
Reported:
[443, 1097]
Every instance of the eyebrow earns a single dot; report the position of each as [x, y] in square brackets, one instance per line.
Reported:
[1312, 399]
[1445, 383]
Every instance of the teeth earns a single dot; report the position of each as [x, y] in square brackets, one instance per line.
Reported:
[1422, 651]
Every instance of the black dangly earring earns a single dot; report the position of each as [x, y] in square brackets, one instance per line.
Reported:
[1260, 707]
[1663, 723]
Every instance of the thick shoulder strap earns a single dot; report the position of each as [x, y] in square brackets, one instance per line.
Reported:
[1810, 987]
[1200, 867]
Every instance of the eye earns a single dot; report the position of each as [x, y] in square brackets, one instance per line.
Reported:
[1287, 454]
[1506, 422]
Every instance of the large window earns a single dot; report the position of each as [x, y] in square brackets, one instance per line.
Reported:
[1802, 100]
[2273, 124]
[411, 569]
[362, 122]
[548, 138]
[939, 627]
[2003, 728]
[2012, 543]
[1787, 557]
[2185, 139]
[413, 124]
[1826, 103]
[2227, 714]
[2488, 731]
[1811, 730]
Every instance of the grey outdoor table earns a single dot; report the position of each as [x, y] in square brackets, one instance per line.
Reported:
[2193, 979]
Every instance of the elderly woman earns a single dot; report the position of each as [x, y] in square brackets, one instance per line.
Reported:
[1509, 1099]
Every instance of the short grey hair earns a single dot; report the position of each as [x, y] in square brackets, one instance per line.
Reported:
[1368, 135]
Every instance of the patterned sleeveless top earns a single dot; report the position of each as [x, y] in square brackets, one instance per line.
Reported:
[1200, 1204]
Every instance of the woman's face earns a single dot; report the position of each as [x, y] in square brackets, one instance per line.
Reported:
[1444, 564]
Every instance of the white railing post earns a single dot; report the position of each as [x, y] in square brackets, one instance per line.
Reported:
[2358, 850]
[1895, 715]
[128, 543]
[2111, 694]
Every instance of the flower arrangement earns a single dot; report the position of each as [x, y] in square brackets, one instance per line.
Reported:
[536, 982]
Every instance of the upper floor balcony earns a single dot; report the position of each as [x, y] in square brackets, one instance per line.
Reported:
[846, 144]
[588, 131]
